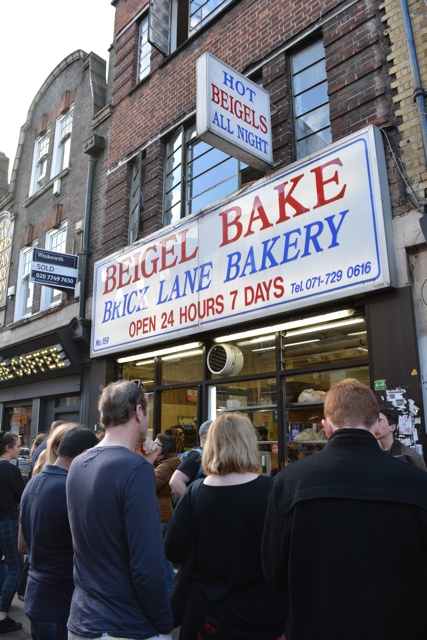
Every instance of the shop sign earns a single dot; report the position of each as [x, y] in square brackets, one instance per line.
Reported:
[318, 232]
[6, 235]
[233, 113]
[46, 360]
[53, 269]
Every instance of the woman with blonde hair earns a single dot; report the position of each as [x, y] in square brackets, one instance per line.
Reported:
[50, 455]
[220, 520]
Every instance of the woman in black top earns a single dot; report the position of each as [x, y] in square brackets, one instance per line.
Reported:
[11, 487]
[223, 520]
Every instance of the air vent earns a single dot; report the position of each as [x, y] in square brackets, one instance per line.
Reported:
[225, 360]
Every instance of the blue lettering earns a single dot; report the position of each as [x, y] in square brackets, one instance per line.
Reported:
[334, 229]
[233, 268]
[249, 263]
[289, 245]
[267, 246]
[312, 237]
[107, 311]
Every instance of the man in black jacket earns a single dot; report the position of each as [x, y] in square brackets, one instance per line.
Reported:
[346, 532]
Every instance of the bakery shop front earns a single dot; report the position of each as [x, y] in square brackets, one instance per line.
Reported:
[262, 303]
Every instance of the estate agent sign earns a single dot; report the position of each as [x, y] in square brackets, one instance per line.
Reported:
[53, 269]
[319, 231]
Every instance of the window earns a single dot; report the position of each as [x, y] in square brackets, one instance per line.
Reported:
[61, 151]
[144, 50]
[172, 22]
[196, 175]
[312, 124]
[55, 241]
[25, 290]
[39, 171]
[136, 207]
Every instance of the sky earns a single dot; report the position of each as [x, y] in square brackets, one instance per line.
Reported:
[35, 36]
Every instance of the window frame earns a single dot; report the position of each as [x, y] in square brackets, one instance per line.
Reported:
[144, 49]
[51, 297]
[136, 198]
[62, 142]
[25, 289]
[186, 175]
[170, 22]
[40, 161]
[306, 144]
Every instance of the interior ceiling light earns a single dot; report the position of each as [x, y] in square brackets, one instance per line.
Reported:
[143, 363]
[294, 344]
[324, 327]
[184, 354]
[294, 324]
[160, 352]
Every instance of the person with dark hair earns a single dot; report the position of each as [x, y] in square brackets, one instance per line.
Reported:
[12, 486]
[190, 468]
[220, 519]
[121, 589]
[331, 528]
[386, 433]
[46, 536]
[166, 461]
[177, 434]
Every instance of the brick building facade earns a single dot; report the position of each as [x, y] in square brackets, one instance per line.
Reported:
[339, 76]
[331, 70]
[44, 333]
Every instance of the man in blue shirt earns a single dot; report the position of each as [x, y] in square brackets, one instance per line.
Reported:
[119, 563]
[47, 536]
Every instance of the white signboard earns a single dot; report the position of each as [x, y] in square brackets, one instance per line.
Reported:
[318, 232]
[233, 113]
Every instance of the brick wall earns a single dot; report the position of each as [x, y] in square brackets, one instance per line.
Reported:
[249, 35]
[410, 149]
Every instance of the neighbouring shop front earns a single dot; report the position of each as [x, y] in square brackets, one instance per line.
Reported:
[40, 382]
[261, 304]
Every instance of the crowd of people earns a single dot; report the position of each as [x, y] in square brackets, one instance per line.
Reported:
[312, 553]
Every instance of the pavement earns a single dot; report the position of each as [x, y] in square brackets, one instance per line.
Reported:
[17, 613]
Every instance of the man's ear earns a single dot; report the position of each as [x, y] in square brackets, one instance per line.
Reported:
[328, 428]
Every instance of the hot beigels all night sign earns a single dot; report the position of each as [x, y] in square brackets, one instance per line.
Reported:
[319, 231]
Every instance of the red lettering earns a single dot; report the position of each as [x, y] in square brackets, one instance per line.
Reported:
[289, 199]
[320, 183]
[143, 263]
[123, 270]
[226, 224]
[168, 251]
[110, 279]
[215, 94]
[257, 207]
[263, 124]
[183, 242]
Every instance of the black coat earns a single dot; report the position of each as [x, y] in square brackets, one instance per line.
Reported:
[346, 536]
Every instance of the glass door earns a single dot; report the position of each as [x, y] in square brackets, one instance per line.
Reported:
[258, 400]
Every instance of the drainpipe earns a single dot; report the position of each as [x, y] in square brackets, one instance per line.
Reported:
[419, 92]
[93, 147]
